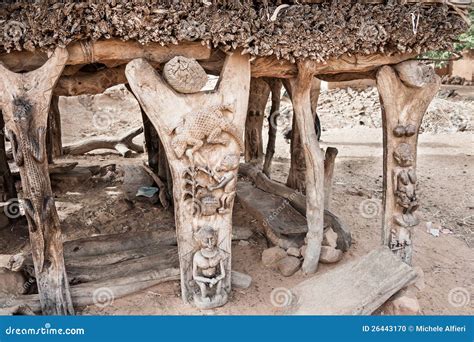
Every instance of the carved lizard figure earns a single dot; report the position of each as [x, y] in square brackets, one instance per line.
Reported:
[207, 124]
[28, 152]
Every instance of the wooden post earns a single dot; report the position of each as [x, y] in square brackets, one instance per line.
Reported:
[405, 91]
[259, 92]
[54, 128]
[296, 175]
[275, 88]
[25, 100]
[202, 136]
[314, 160]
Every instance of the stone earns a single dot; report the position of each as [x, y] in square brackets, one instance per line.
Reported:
[403, 305]
[330, 255]
[293, 251]
[11, 283]
[243, 243]
[289, 265]
[241, 233]
[185, 75]
[330, 238]
[240, 280]
[272, 255]
[303, 250]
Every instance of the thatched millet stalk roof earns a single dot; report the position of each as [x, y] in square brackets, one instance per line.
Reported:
[317, 31]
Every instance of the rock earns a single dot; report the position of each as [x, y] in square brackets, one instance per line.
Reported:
[402, 305]
[241, 233]
[66, 180]
[272, 255]
[330, 238]
[185, 75]
[243, 243]
[11, 283]
[303, 250]
[330, 255]
[289, 265]
[240, 280]
[293, 251]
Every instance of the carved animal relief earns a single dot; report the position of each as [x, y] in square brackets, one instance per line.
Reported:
[202, 140]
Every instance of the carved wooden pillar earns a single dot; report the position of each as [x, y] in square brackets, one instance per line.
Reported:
[275, 88]
[25, 99]
[202, 136]
[303, 108]
[296, 175]
[259, 92]
[405, 91]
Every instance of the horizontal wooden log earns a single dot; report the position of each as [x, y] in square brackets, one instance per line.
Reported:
[110, 52]
[123, 144]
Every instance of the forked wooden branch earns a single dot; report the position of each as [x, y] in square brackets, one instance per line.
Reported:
[123, 144]
[25, 100]
[202, 136]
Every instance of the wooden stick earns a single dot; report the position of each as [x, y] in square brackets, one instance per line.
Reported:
[329, 163]
[275, 87]
[161, 185]
[123, 144]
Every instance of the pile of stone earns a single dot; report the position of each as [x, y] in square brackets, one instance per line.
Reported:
[289, 261]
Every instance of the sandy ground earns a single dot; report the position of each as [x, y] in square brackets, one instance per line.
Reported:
[445, 171]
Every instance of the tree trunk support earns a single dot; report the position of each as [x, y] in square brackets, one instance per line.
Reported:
[259, 92]
[296, 175]
[53, 135]
[204, 168]
[25, 100]
[314, 161]
[405, 91]
[7, 183]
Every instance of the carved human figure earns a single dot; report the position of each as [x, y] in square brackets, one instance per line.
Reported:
[209, 269]
[405, 185]
[226, 179]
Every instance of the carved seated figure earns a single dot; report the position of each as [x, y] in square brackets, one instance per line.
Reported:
[209, 270]
[405, 186]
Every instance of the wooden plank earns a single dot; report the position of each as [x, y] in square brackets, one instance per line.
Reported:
[356, 288]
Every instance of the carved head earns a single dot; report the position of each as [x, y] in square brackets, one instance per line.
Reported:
[207, 237]
[22, 112]
[403, 155]
[230, 162]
